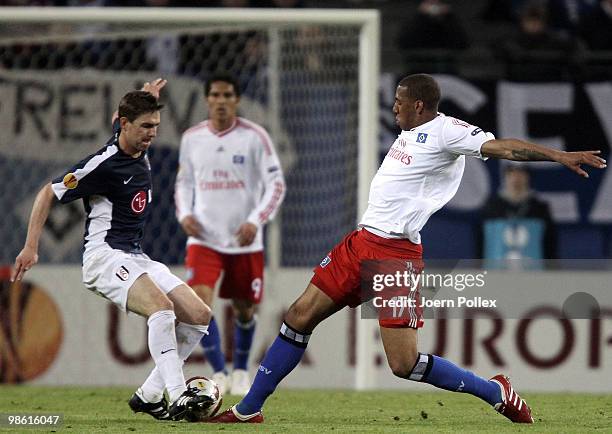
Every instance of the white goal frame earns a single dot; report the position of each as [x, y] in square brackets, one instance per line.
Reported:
[369, 72]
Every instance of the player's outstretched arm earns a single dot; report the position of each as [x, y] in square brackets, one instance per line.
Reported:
[29, 254]
[519, 150]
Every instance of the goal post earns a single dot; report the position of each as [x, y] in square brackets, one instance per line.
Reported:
[273, 83]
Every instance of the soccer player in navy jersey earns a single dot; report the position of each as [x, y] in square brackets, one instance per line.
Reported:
[115, 186]
[420, 174]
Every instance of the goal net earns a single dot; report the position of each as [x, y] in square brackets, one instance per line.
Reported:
[310, 77]
[63, 73]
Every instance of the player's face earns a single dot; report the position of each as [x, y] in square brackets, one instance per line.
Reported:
[405, 109]
[517, 180]
[140, 133]
[222, 102]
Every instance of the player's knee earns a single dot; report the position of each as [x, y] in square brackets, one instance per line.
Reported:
[203, 315]
[400, 368]
[164, 303]
[245, 314]
[243, 310]
[402, 365]
[299, 317]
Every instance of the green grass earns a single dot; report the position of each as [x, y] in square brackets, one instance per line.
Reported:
[89, 410]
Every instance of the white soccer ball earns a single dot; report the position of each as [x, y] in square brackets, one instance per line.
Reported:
[207, 387]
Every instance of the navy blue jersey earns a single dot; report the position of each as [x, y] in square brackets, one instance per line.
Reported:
[116, 192]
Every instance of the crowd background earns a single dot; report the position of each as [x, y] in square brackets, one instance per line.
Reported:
[557, 39]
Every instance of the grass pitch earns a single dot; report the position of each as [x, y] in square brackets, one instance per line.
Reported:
[89, 410]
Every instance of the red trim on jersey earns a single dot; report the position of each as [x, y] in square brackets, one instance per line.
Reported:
[231, 128]
[278, 192]
[460, 123]
[259, 131]
[197, 127]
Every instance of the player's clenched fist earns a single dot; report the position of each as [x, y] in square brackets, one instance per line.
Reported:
[191, 226]
[246, 234]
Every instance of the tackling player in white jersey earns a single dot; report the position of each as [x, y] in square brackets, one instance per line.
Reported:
[419, 175]
[229, 185]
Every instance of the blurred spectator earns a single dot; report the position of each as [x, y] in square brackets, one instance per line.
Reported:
[235, 3]
[278, 3]
[596, 28]
[516, 224]
[536, 52]
[434, 26]
[564, 15]
[499, 11]
[27, 3]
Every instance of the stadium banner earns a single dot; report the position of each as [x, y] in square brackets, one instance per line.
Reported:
[52, 119]
[55, 332]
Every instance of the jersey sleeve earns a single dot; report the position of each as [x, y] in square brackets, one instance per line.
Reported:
[185, 183]
[274, 182]
[86, 178]
[459, 137]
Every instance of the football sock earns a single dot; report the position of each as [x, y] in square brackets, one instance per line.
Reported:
[446, 375]
[243, 338]
[163, 349]
[152, 389]
[282, 357]
[187, 338]
[211, 344]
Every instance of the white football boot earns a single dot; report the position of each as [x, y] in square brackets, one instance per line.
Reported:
[241, 382]
[222, 381]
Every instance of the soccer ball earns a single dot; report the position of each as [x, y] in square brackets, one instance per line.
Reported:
[208, 388]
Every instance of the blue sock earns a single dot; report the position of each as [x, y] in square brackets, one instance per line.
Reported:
[446, 375]
[243, 338]
[282, 357]
[211, 344]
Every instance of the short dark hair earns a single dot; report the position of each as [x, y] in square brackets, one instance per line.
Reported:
[516, 167]
[136, 103]
[422, 87]
[224, 77]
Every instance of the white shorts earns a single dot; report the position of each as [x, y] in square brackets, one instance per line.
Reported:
[111, 273]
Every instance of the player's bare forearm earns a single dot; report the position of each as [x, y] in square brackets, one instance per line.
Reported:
[38, 217]
[28, 256]
[518, 150]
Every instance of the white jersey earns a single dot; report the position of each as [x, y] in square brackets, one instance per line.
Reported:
[227, 178]
[420, 174]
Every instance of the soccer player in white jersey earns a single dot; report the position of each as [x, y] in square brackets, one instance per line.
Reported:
[229, 185]
[115, 186]
[420, 174]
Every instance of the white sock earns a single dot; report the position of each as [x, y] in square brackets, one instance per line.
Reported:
[187, 337]
[163, 348]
